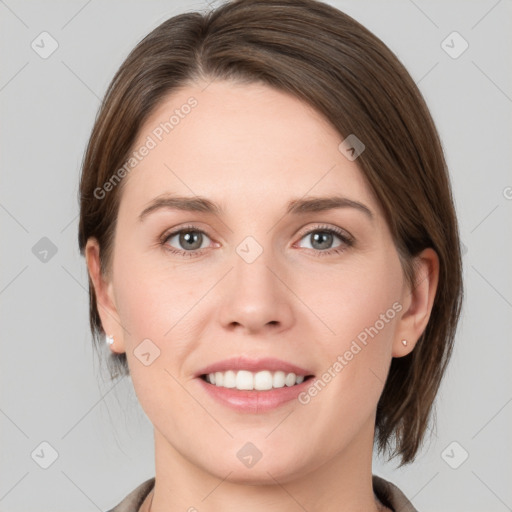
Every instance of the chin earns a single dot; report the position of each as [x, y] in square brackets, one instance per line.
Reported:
[265, 471]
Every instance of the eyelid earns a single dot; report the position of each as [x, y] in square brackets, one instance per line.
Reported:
[342, 234]
[176, 231]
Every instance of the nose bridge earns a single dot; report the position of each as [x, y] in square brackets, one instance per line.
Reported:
[251, 268]
[253, 278]
[256, 297]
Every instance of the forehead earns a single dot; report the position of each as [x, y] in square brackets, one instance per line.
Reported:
[245, 144]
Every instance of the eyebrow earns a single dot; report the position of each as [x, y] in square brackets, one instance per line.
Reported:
[294, 207]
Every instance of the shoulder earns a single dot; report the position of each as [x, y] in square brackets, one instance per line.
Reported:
[391, 496]
[133, 501]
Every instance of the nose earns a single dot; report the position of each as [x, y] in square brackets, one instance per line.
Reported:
[255, 296]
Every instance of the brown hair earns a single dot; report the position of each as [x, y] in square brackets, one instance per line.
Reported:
[327, 59]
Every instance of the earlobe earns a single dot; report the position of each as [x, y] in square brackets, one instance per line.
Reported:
[420, 298]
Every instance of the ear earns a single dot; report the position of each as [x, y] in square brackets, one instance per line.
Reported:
[417, 302]
[105, 299]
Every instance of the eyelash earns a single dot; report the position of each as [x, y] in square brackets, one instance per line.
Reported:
[348, 241]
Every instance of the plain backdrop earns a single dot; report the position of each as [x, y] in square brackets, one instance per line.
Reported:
[97, 442]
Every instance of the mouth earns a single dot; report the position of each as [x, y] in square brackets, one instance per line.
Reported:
[249, 385]
[256, 393]
[245, 380]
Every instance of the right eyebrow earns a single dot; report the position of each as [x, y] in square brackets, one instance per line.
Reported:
[189, 204]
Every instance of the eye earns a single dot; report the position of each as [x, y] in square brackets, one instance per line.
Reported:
[190, 241]
[323, 237]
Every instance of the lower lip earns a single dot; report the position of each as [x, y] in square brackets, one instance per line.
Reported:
[254, 401]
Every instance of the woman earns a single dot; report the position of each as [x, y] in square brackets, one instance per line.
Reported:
[273, 253]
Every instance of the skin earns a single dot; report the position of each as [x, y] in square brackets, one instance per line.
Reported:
[251, 149]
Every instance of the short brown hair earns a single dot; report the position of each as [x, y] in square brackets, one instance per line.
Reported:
[327, 59]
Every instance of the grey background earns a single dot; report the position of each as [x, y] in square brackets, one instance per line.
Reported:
[51, 386]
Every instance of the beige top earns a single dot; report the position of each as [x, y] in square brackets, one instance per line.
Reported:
[389, 494]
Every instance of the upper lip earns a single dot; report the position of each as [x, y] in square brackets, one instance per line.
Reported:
[253, 365]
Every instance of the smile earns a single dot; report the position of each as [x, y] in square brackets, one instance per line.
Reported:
[244, 380]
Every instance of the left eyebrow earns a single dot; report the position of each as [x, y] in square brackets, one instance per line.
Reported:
[320, 204]
[295, 207]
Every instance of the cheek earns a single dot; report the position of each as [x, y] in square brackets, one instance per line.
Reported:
[153, 308]
[351, 299]
[149, 300]
[361, 313]
[159, 310]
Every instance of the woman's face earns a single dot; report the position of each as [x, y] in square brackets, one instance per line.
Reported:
[256, 279]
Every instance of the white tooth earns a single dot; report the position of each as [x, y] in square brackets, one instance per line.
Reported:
[244, 380]
[263, 380]
[278, 380]
[290, 379]
[230, 379]
[260, 381]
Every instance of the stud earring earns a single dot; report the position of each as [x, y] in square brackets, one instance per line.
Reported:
[109, 339]
[404, 343]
